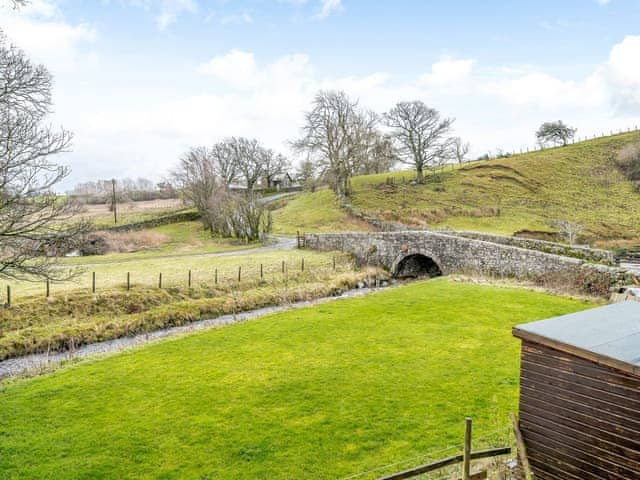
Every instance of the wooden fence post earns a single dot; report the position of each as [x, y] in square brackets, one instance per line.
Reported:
[283, 266]
[522, 450]
[334, 262]
[466, 459]
[128, 280]
[239, 274]
[93, 282]
[261, 272]
[48, 288]
[160, 280]
[215, 278]
[189, 280]
[8, 295]
[302, 265]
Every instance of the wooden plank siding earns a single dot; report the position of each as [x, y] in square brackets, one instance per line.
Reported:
[580, 420]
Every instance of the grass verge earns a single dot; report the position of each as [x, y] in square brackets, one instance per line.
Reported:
[321, 392]
[317, 212]
[80, 317]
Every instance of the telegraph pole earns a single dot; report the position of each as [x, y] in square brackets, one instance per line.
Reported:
[113, 201]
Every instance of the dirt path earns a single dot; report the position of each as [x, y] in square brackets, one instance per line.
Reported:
[42, 362]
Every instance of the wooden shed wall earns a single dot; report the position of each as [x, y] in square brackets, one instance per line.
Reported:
[580, 420]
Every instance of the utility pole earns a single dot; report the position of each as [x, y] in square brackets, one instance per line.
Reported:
[113, 201]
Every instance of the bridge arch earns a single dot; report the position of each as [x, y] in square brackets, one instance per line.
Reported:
[416, 263]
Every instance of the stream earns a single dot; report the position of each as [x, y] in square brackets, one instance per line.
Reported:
[41, 362]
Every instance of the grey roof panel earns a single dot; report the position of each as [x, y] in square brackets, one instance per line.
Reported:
[612, 330]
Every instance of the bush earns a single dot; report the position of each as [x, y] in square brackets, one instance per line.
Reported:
[628, 160]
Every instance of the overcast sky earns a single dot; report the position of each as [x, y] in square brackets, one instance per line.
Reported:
[138, 81]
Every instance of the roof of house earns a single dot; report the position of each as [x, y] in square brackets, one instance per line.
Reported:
[609, 335]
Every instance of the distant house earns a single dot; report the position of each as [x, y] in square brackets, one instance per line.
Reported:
[283, 182]
[580, 394]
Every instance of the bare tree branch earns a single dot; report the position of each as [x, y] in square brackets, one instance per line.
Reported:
[338, 135]
[420, 134]
[34, 221]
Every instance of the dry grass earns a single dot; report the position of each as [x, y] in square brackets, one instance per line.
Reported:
[128, 242]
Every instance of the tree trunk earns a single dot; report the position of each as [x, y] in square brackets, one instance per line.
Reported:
[419, 175]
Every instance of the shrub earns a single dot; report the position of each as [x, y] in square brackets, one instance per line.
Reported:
[628, 161]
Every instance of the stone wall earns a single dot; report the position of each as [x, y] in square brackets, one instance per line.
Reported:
[584, 253]
[187, 216]
[595, 255]
[455, 254]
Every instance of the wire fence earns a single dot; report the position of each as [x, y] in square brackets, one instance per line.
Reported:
[405, 177]
[240, 276]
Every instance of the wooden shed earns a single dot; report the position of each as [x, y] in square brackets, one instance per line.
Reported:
[580, 394]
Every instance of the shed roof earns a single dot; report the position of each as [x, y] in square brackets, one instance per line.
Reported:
[608, 335]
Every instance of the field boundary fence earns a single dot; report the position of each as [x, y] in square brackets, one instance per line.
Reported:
[228, 277]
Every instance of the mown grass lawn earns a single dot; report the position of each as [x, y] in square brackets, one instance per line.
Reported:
[322, 392]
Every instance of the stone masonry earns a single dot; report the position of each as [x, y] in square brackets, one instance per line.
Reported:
[455, 254]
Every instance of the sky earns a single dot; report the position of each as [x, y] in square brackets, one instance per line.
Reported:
[140, 81]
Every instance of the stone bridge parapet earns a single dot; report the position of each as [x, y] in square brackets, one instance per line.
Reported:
[455, 254]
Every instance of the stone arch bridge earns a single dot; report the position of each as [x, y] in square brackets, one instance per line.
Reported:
[429, 253]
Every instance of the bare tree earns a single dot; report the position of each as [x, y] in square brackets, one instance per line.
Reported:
[420, 134]
[569, 230]
[33, 219]
[307, 175]
[225, 162]
[556, 133]
[222, 211]
[274, 166]
[196, 178]
[380, 157]
[459, 150]
[249, 157]
[337, 134]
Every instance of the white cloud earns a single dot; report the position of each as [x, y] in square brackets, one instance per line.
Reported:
[43, 33]
[327, 7]
[495, 107]
[448, 72]
[603, 2]
[620, 75]
[165, 12]
[239, 70]
[171, 9]
[613, 85]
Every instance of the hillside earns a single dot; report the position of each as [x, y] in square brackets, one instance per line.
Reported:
[579, 183]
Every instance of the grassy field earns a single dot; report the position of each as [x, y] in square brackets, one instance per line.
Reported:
[73, 315]
[322, 392]
[175, 239]
[578, 183]
[316, 212]
[130, 212]
[111, 272]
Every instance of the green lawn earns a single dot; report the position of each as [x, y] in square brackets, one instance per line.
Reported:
[322, 392]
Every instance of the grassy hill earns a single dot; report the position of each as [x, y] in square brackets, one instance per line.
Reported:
[579, 183]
